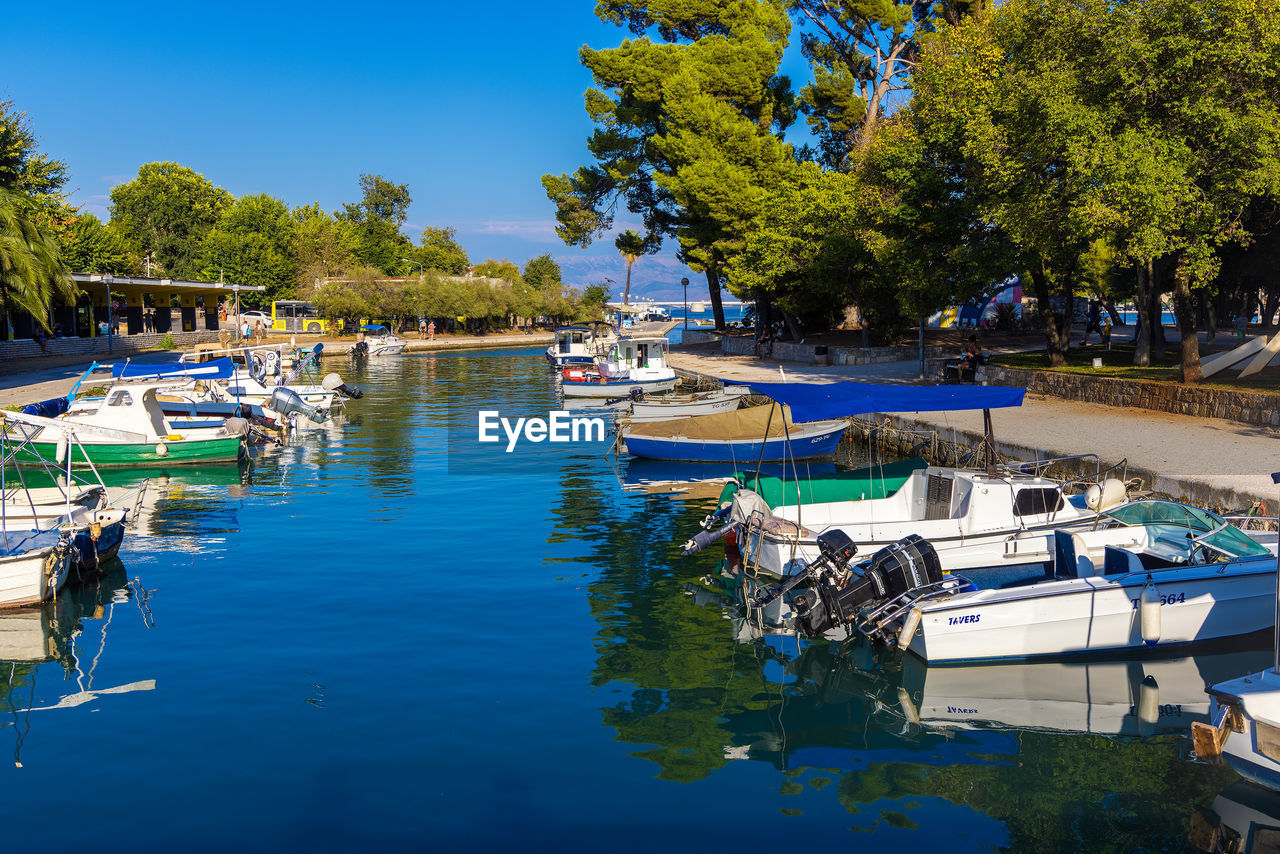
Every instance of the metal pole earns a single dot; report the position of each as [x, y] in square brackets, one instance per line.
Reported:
[1275, 668]
[685, 282]
[921, 342]
[107, 280]
[989, 439]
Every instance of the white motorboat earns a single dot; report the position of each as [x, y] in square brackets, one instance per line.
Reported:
[380, 341]
[581, 344]
[632, 363]
[1153, 574]
[1244, 726]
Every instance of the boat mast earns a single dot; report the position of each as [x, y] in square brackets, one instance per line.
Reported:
[989, 440]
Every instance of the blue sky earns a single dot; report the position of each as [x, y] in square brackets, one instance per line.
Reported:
[468, 104]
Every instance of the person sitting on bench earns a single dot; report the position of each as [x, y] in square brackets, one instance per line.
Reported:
[970, 360]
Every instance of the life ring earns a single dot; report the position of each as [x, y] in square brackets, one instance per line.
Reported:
[273, 362]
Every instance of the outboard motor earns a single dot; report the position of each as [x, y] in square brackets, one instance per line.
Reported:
[333, 382]
[286, 402]
[360, 350]
[839, 593]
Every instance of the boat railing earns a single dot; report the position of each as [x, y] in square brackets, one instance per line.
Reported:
[1243, 521]
[882, 623]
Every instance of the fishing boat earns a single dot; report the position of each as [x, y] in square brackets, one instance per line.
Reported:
[669, 407]
[999, 516]
[631, 363]
[381, 341]
[1149, 575]
[581, 344]
[128, 427]
[33, 565]
[757, 433]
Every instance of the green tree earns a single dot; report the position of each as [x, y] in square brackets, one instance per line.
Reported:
[165, 213]
[630, 246]
[542, 273]
[492, 269]
[687, 130]
[31, 273]
[438, 249]
[89, 246]
[321, 245]
[252, 245]
[378, 217]
[23, 168]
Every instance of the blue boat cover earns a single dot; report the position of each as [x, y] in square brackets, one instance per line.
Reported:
[47, 408]
[819, 401]
[218, 369]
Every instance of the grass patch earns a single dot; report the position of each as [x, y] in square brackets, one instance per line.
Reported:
[1117, 363]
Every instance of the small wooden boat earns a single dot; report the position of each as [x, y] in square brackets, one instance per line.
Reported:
[33, 566]
[706, 403]
[761, 432]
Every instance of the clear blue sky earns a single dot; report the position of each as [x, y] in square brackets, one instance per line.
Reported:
[468, 104]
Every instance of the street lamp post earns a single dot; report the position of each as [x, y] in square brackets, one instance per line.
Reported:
[422, 271]
[685, 282]
[107, 280]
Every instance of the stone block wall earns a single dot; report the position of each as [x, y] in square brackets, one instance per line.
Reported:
[1246, 407]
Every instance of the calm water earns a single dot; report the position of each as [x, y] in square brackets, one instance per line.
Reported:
[388, 638]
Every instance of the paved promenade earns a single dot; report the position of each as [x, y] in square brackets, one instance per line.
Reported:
[1205, 460]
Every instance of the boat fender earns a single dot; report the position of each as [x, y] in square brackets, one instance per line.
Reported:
[732, 556]
[1148, 706]
[909, 626]
[702, 539]
[60, 450]
[95, 531]
[1149, 614]
[1103, 497]
[237, 426]
[333, 382]
[909, 710]
[162, 449]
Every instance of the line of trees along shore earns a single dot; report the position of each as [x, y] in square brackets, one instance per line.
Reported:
[170, 221]
[1125, 150]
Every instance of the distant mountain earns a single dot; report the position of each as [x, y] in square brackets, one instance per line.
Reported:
[653, 276]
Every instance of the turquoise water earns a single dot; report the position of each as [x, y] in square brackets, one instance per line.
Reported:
[387, 637]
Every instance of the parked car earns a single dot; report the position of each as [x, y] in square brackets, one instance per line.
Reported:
[254, 316]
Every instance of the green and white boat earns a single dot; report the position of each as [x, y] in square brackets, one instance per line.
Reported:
[128, 428]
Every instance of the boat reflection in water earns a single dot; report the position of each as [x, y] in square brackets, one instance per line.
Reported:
[64, 632]
[1243, 819]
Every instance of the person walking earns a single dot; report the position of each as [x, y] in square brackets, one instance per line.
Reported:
[1093, 322]
[422, 328]
[431, 331]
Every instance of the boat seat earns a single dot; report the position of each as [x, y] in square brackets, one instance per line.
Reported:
[1071, 556]
[1118, 561]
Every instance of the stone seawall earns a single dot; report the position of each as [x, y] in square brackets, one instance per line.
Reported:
[1261, 409]
[26, 348]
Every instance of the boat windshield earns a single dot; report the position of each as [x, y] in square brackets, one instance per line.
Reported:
[1197, 522]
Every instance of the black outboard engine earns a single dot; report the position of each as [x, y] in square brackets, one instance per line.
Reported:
[333, 382]
[286, 402]
[360, 350]
[636, 394]
[838, 596]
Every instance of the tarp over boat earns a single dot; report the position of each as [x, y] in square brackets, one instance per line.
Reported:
[874, 481]
[741, 425]
[821, 401]
[218, 369]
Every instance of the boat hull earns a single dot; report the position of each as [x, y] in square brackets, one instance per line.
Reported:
[32, 577]
[107, 454]
[615, 388]
[1097, 615]
[804, 444]
[656, 411]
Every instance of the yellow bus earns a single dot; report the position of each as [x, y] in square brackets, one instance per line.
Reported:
[294, 316]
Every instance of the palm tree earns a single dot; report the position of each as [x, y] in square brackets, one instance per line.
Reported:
[631, 245]
[31, 272]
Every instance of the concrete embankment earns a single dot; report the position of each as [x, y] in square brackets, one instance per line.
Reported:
[1206, 461]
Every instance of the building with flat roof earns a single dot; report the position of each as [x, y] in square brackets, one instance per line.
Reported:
[178, 305]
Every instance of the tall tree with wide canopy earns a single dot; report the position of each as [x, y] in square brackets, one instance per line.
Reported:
[686, 129]
[378, 217]
[165, 214]
[31, 273]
